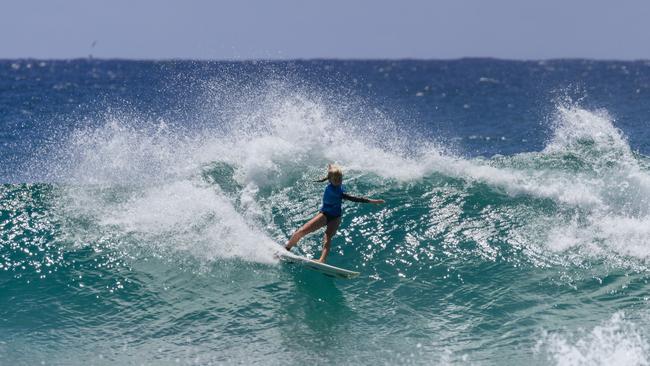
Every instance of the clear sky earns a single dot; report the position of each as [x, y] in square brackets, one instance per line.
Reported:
[289, 29]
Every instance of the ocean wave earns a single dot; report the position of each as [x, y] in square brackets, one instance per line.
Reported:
[238, 188]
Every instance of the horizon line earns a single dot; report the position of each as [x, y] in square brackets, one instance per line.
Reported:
[303, 59]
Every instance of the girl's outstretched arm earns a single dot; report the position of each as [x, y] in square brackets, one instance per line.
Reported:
[360, 199]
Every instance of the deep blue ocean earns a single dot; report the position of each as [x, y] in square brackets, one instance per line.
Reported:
[141, 203]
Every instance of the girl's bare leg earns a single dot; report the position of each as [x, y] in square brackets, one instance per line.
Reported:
[332, 226]
[312, 225]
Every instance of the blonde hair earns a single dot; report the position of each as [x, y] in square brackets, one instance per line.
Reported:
[334, 173]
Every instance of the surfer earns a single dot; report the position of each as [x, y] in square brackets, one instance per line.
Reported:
[330, 212]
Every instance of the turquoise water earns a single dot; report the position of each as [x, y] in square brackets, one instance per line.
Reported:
[135, 237]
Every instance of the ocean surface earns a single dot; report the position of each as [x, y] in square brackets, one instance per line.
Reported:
[141, 203]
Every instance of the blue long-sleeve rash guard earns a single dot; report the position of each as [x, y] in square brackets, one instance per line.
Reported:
[333, 197]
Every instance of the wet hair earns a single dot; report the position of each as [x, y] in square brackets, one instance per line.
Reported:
[334, 172]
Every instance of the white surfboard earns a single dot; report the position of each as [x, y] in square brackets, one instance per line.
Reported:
[326, 269]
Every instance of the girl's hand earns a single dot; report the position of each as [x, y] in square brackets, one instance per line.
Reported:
[377, 201]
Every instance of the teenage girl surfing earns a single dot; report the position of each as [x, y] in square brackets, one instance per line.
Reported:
[330, 213]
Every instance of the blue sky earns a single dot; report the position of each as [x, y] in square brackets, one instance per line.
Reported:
[284, 29]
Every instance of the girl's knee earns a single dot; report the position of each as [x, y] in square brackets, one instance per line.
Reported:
[299, 234]
[329, 233]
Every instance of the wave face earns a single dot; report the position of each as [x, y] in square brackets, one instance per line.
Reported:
[140, 211]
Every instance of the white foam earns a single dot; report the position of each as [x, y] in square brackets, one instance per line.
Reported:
[573, 125]
[272, 140]
[298, 133]
[190, 218]
[615, 342]
[560, 187]
[618, 223]
[603, 234]
[146, 183]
